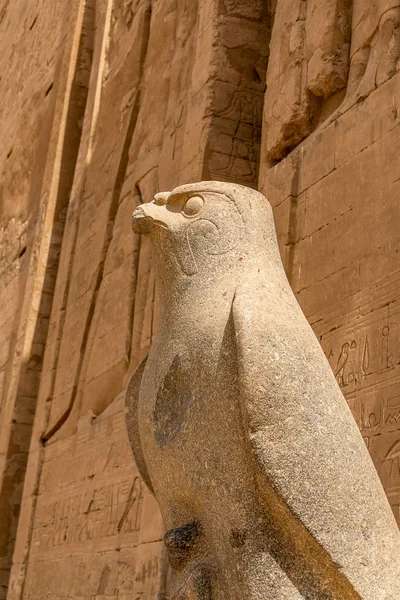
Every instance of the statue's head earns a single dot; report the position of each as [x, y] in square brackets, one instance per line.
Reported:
[205, 223]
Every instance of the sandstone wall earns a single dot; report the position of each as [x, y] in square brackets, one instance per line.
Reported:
[104, 103]
[42, 103]
[145, 95]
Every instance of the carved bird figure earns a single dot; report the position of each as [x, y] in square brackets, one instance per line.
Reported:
[238, 425]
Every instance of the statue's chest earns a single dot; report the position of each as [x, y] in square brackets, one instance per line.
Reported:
[178, 379]
[189, 388]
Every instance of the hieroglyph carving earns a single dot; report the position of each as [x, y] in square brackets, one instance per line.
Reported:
[97, 513]
[238, 424]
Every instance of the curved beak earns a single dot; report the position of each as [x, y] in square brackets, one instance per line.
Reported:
[142, 222]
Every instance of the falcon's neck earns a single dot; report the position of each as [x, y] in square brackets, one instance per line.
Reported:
[177, 288]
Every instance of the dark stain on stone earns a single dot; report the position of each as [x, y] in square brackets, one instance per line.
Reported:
[180, 542]
[237, 537]
[183, 537]
[173, 398]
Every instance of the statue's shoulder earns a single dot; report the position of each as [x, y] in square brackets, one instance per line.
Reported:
[131, 417]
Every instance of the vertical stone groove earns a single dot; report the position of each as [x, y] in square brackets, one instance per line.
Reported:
[119, 180]
[47, 258]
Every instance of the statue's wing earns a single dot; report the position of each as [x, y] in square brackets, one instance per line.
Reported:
[315, 474]
[132, 423]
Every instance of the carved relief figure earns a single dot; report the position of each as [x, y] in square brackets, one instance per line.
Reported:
[375, 45]
[336, 50]
[245, 110]
[238, 424]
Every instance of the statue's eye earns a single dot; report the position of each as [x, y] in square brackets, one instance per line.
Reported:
[193, 206]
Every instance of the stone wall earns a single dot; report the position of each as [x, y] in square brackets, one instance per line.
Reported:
[335, 197]
[106, 102]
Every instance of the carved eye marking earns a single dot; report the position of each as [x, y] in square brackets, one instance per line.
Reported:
[193, 206]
